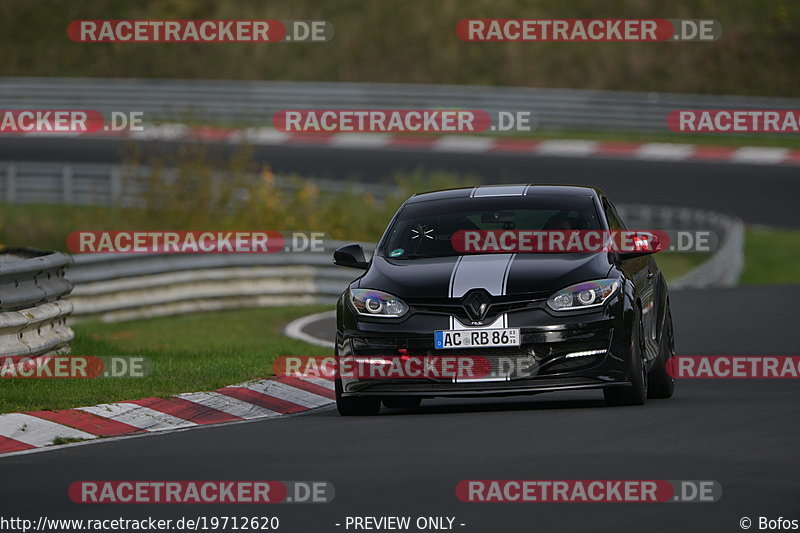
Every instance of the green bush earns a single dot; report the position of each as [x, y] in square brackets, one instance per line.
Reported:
[415, 41]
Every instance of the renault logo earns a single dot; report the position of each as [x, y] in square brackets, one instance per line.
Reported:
[476, 304]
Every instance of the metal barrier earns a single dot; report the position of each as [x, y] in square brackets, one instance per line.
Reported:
[115, 287]
[32, 313]
[724, 266]
[29, 182]
[254, 102]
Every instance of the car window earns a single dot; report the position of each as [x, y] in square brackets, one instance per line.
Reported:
[614, 221]
[425, 229]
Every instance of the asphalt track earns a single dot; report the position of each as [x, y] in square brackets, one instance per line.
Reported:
[742, 433]
[759, 194]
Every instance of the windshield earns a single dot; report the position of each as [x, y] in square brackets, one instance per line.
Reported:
[425, 229]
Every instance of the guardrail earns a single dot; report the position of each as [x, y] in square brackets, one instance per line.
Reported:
[254, 102]
[724, 266]
[115, 287]
[32, 312]
[28, 182]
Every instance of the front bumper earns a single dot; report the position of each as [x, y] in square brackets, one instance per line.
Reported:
[548, 358]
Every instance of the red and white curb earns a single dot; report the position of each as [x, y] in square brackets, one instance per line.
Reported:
[463, 144]
[267, 398]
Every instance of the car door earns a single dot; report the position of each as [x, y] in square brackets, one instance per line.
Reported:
[644, 274]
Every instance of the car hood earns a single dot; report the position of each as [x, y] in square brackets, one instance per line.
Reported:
[499, 274]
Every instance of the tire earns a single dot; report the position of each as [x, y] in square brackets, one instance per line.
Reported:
[400, 402]
[636, 392]
[661, 384]
[355, 406]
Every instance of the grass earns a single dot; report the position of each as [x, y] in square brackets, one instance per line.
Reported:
[66, 440]
[675, 264]
[772, 256]
[415, 41]
[187, 353]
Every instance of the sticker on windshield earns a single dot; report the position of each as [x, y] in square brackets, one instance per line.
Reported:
[395, 253]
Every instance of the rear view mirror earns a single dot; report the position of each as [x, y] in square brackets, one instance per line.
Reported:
[497, 217]
[350, 255]
[641, 243]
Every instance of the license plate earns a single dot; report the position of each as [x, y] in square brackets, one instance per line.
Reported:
[476, 338]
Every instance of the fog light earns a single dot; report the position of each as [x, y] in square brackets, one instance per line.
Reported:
[584, 354]
[372, 360]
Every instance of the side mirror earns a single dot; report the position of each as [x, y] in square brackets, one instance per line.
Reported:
[350, 255]
[641, 243]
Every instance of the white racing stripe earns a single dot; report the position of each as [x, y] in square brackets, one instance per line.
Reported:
[665, 151]
[360, 140]
[287, 392]
[37, 431]
[489, 272]
[488, 191]
[227, 404]
[164, 132]
[482, 271]
[137, 416]
[258, 136]
[294, 329]
[455, 143]
[758, 155]
[327, 383]
[567, 148]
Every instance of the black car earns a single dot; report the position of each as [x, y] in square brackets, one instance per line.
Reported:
[532, 322]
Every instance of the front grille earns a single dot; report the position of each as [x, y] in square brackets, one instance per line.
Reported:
[497, 306]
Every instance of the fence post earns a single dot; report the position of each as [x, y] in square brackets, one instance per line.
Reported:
[66, 185]
[115, 186]
[11, 183]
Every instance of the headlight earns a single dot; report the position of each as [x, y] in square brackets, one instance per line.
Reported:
[370, 302]
[583, 295]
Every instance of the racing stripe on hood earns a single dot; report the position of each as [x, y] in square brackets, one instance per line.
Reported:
[498, 190]
[487, 271]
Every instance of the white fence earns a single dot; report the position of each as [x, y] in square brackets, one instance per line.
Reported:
[254, 102]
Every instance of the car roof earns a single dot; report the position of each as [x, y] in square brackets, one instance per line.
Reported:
[529, 189]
